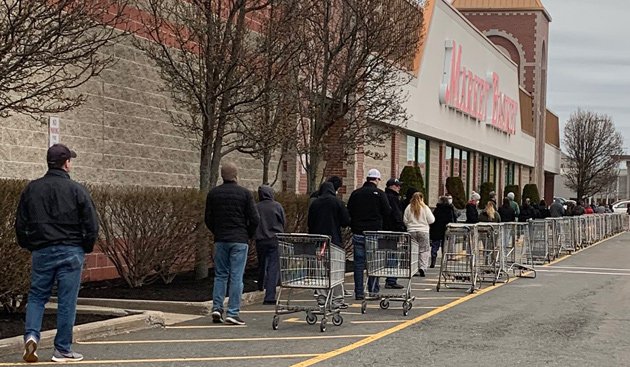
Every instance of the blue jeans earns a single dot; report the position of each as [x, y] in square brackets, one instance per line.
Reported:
[268, 267]
[229, 262]
[358, 243]
[435, 246]
[55, 263]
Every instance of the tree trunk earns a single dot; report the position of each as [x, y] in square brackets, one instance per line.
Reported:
[312, 171]
[266, 161]
[202, 250]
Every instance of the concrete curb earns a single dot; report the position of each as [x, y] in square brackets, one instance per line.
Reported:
[146, 320]
[189, 308]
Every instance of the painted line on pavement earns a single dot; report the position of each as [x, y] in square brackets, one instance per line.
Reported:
[206, 326]
[170, 360]
[585, 268]
[581, 272]
[223, 340]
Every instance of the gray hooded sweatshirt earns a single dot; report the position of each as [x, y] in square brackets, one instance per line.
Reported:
[272, 217]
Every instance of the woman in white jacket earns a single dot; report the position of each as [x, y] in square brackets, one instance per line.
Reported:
[417, 218]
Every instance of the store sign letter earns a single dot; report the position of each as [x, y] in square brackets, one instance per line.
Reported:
[473, 95]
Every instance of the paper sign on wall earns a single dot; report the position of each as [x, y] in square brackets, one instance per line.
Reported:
[54, 131]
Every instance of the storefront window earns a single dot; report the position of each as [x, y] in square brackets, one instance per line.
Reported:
[418, 153]
[456, 172]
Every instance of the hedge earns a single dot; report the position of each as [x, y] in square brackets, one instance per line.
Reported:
[411, 176]
[455, 187]
[15, 262]
[531, 191]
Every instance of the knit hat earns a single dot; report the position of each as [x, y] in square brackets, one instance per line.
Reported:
[475, 196]
[510, 195]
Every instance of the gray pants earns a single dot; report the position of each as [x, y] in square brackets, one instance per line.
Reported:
[425, 248]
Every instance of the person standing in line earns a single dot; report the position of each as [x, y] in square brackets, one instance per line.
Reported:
[232, 217]
[493, 199]
[335, 180]
[272, 222]
[527, 212]
[408, 195]
[514, 204]
[327, 215]
[394, 221]
[543, 211]
[556, 209]
[444, 214]
[367, 206]
[56, 221]
[472, 214]
[506, 212]
[489, 215]
[417, 218]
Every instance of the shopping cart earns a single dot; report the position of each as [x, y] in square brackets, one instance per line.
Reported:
[310, 262]
[563, 232]
[489, 256]
[457, 268]
[541, 240]
[517, 250]
[391, 254]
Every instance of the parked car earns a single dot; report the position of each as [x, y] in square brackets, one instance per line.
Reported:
[621, 206]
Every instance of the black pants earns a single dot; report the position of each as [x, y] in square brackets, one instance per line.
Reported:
[268, 267]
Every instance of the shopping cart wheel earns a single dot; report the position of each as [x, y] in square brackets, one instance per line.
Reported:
[337, 320]
[406, 307]
[363, 306]
[311, 319]
[274, 323]
[384, 304]
[322, 325]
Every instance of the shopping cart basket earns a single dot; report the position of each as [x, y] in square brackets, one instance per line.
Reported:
[489, 256]
[457, 268]
[391, 254]
[517, 250]
[310, 262]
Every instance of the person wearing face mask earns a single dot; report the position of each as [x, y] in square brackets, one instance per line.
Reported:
[444, 214]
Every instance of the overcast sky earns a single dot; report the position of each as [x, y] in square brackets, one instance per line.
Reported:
[589, 59]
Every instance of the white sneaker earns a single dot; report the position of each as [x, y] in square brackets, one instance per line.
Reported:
[66, 357]
[30, 350]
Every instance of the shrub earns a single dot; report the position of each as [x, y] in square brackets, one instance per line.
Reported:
[15, 262]
[531, 191]
[455, 187]
[411, 176]
[485, 190]
[515, 189]
[296, 211]
[149, 233]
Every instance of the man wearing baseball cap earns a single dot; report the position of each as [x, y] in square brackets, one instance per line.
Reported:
[57, 222]
[394, 222]
[368, 206]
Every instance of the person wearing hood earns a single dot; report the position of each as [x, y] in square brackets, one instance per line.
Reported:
[272, 222]
[556, 209]
[327, 214]
[336, 181]
[444, 214]
[472, 214]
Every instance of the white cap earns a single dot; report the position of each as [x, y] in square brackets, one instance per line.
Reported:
[374, 173]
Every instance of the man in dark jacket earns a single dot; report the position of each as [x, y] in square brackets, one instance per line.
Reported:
[327, 214]
[444, 214]
[368, 206]
[394, 222]
[527, 212]
[272, 221]
[556, 209]
[336, 181]
[232, 217]
[57, 222]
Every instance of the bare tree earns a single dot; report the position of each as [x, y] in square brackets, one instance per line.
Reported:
[355, 59]
[270, 127]
[204, 51]
[593, 146]
[50, 47]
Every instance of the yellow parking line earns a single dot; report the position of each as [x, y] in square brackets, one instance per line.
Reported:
[223, 340]
[172, 360]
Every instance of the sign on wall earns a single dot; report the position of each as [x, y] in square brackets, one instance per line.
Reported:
[54, 131]
[476, 96]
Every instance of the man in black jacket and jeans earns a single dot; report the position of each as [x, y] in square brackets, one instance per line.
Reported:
[57, 222]
[394, 222]
[232, 217]
[368, 206]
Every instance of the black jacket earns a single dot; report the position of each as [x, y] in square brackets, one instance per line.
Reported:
[271, 214]
[527, 212]
[444, 214]
[394, 221]
[327, 214]
[368, 206]
[54, 210]
[231, 213]
[472, 214]
[507, 214]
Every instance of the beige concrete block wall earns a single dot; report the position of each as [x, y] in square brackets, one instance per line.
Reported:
[122, 134]
[383, 165]
[434, 172]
